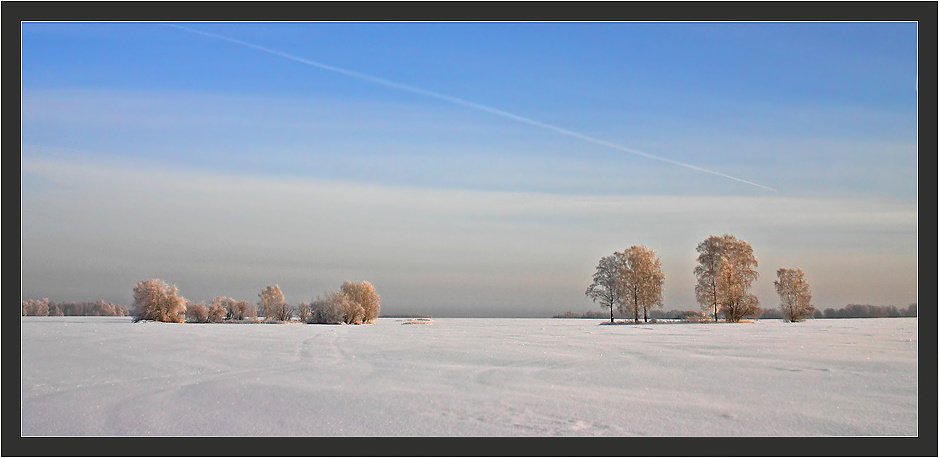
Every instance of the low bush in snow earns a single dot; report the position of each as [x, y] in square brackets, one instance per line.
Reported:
[329, 310]
[197, 313]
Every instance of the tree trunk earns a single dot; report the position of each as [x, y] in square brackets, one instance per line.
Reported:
[635, 305]
[611, 313]
[645, 315]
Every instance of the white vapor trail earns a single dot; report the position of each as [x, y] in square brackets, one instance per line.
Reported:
[465, 103]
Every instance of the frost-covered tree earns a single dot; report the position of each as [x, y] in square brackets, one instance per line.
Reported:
[197, 313]
[234, 309]
[642, 281]
[795, 295]
[735, 301]
[217, 312]
[273, 303]
[726, 269]
[303, 311]
[226, 304]
[607, 286]
[366, 306]
[329, 309]
[242, 310]
[156, 300]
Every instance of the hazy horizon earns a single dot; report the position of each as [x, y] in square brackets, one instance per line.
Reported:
[465, 169]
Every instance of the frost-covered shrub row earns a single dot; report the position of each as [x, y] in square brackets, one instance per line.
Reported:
[233, 309]
[154, 299]
[354, 303]
[45, 307]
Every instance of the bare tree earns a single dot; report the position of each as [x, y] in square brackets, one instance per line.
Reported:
[726, 270]
[273, 303]
[156, 300]
[364, 296]
[795, 294]
[607, 286]
[642, 281]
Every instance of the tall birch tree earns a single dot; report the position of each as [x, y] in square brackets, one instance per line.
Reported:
[726, 269]
[795, 294]
[642, 281]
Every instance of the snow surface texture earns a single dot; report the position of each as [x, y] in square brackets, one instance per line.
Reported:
[107, 376]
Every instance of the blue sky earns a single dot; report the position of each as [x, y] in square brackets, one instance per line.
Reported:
[150, 150]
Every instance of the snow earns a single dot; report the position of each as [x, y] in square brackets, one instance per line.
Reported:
[108, 376]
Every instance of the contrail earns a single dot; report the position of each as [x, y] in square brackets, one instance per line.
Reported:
[465, 103]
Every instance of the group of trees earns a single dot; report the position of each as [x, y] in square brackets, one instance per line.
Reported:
[45, 307]
[354, 303]
[629, 280]
[632, 280]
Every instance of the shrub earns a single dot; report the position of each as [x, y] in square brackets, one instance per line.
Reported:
[303, 311]
[364, 306]
[197, 313]
[274, 305]
[330, 309]
[216, 313]
[156, 300]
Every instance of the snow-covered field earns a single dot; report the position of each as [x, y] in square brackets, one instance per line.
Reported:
[106, 376]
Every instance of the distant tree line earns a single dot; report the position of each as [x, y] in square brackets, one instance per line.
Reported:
[354, 303]
[869, 311]
[45, 307]
[653, 315]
